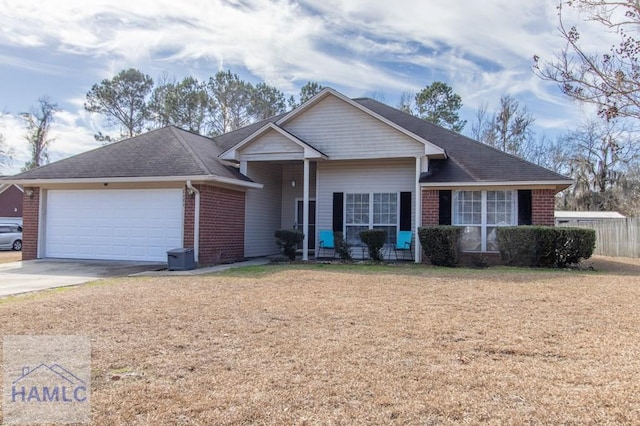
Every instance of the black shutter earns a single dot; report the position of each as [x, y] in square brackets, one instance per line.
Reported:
[445, 207]
[524, 207]
[405, 211]
[338, 211]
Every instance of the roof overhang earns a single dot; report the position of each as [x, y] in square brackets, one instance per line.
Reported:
[559, 185]
[234, 153]
[145, 179]
[430, 149]
[6, 186]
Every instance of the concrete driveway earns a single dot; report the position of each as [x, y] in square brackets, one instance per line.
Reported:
[34, 275]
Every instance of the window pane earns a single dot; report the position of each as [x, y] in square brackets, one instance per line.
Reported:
[467, 208]
[385, 209]
[391, 233]
[471, 239]
[492, 239]
[353, 234]
[500, 208]
[357, 209]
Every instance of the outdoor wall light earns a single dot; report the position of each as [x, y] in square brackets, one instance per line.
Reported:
[29, 193]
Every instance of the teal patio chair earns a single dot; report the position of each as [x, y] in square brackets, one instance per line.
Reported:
[403, 244]
[326, 242]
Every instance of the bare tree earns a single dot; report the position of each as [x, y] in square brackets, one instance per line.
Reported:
[610, 80]
[507, 129]
[6, 153]
[482, 125]
[38, 123]
[601, 159]
[406, 103]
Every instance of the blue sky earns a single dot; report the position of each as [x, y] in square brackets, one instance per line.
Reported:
[483, 49]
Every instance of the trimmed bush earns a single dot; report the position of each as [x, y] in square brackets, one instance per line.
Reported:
[288, 240]
[374, 239]
[341, 246]
[440, 244]
[545, 246]
[574, 244]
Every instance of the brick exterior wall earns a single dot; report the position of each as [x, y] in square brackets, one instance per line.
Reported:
[430, 207]
[30, 220]
[542, 207]
[11, 202]
[221, 224]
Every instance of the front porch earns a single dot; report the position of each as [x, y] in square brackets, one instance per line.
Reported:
[330, 196]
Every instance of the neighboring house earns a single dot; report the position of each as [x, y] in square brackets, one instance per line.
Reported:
[332, 163]
[10, 203]
[574, 218]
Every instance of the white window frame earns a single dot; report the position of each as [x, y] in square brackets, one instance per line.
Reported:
[484, 213]
[371, 224]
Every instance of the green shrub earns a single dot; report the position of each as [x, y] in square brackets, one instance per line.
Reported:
[574, 244]
[374, 239]
[288, 240]
[341, 246]
[440, 244]
[545, 246]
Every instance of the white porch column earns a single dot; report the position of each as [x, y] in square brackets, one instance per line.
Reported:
[417, 255]
[305, 212]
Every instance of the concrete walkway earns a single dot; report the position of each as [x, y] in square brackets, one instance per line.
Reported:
[201, 271]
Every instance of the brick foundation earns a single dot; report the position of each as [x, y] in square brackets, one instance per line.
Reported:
[30, 220]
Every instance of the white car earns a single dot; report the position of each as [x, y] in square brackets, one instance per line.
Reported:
[10, 236]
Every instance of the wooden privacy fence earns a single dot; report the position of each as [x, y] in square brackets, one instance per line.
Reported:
[620, 238]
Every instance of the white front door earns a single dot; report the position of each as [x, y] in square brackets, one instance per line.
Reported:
[113, 224]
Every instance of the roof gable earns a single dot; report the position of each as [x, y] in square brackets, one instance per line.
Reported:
[271, 143]
[342, 129]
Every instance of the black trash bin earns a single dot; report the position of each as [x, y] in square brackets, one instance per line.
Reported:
[180, 259]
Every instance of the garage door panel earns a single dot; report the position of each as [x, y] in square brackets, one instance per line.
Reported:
[113, 224]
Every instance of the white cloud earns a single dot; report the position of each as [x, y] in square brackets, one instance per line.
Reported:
[69, 136]
[482, 49]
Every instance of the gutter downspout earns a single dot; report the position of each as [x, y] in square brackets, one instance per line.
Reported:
[196, 221]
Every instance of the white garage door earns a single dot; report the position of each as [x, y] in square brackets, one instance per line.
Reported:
[113, 224]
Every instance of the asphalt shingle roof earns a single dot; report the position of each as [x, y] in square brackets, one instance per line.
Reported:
[469, 160]
[170, 151]
[164, 152]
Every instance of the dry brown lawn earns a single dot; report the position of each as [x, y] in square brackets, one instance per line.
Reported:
[355, 345]
[7, 256]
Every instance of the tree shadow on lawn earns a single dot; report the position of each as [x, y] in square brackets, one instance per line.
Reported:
[612, 265]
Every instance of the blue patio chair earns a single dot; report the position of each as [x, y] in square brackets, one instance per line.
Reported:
[326, 242]
[403, 244]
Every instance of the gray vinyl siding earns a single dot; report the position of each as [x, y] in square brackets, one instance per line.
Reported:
[271, 143]
[394, 175]
[342, 132]
[263, 208]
